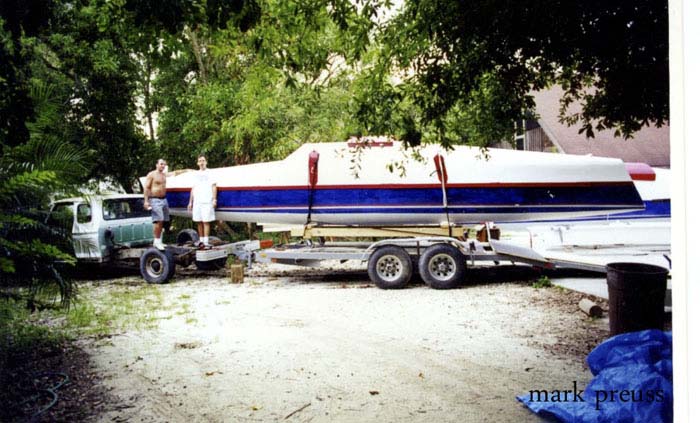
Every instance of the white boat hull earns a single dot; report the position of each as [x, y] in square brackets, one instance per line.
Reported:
[349, 185]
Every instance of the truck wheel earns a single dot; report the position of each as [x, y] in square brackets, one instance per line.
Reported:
[442, 266]
[157, 266]
[390, 267]
[187, 235]
[211, 264]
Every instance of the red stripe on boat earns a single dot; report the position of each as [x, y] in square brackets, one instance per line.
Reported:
[420, 186]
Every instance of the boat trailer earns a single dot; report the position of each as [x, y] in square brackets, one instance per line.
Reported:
[441, 261]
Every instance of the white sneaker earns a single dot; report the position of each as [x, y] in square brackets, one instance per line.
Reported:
[158, 244]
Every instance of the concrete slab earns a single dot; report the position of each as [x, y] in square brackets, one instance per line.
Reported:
[591, 286]
[599, 287]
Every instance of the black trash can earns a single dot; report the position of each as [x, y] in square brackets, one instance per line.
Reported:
[636, 294]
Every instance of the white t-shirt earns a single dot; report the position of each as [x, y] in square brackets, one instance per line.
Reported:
[202, 187]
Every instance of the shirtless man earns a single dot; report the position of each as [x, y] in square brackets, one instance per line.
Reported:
[154, 200]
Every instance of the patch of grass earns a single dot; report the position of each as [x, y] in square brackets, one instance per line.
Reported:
[84, 318]
[191, 320]
[123, 308]
[127, 307]
[19, 329]
[42, 328]
[184, 310]
[542, 282]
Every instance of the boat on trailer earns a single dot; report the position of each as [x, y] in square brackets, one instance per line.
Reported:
[370, 183]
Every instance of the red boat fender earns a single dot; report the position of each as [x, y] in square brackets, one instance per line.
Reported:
[313, 168]
[440, 168]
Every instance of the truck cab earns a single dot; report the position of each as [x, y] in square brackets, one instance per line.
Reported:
[103, 224]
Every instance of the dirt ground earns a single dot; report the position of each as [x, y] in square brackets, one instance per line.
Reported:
[326, 345]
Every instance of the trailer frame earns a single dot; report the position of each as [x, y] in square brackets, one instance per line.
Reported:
[441, 261]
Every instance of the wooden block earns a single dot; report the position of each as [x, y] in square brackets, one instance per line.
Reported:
[494, 233]
[236, 273]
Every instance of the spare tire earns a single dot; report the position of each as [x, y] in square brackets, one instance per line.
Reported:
[187, 235]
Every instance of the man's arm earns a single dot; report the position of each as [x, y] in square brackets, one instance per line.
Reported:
[147, 191]
[214, 191]
[189, 206]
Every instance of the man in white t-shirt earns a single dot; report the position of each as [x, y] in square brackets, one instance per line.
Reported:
[203, 201]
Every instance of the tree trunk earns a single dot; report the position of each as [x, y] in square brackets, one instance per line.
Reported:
[147, 100]
[197, 50]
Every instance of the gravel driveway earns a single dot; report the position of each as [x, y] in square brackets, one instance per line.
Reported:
[326, 345]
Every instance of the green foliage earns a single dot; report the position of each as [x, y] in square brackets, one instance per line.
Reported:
[18, 333]
[124, 307]
[542, 282]
[478, 62]
[246, 81]
[255, 95]
[33, 252]
[18, 19]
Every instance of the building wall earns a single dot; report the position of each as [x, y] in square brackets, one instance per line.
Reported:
[537, 140]
[534, 139]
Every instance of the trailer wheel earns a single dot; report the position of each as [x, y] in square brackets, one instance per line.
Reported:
[187, 235]
[157, 266]
[211, 264]
[442, 266]
[390, 267]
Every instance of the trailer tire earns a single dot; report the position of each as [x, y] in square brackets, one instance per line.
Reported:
[390, 267]
[187, 235]
[442, 266]
[157, 266]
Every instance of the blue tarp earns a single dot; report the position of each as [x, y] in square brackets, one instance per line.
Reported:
[633, 382]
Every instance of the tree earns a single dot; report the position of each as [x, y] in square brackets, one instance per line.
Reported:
[17, 18]
[30, 250]
[246, 95]
[481, 59]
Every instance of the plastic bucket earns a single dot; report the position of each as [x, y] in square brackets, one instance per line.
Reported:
[636, 294]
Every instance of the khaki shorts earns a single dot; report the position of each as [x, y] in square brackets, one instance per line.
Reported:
[203, 212]
[160, 212]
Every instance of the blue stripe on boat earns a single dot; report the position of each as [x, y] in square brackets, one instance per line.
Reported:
[574, 198]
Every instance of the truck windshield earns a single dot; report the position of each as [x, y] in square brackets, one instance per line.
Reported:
[124, 208]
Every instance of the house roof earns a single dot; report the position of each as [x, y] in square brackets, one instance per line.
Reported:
[650, 145]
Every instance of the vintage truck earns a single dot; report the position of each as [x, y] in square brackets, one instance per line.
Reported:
[115, 229]
[102, 225]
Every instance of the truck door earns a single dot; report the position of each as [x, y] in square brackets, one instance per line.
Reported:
[85, 239]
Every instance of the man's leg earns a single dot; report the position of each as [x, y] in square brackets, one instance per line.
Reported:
[159, 214]
[157, 229]
[205, 233]
[157, 232]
